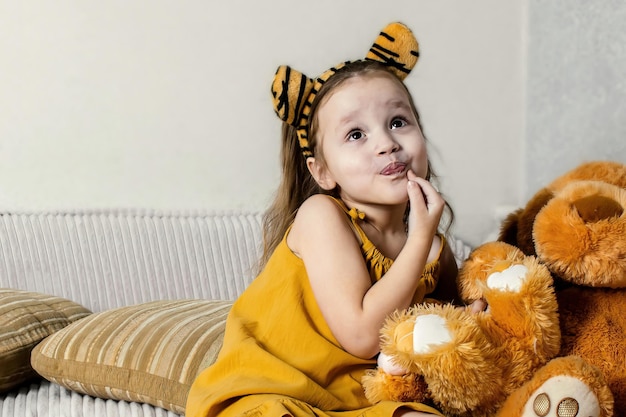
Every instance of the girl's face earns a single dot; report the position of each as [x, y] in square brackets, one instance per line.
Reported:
[369, 138]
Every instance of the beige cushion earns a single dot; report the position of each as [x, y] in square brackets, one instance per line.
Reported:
[26, 318]
[148, 353]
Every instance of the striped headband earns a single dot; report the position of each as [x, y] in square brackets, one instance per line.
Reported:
[293, 92]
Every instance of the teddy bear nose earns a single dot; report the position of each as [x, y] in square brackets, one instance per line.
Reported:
[595, 208]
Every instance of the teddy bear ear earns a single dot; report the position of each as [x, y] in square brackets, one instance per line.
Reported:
[290, 90]
[396, 47]
[517, 227]
[508, 228]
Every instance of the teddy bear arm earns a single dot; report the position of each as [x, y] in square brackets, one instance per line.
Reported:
[523, 305]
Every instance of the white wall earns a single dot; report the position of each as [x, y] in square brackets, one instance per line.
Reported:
[165, 104]
[576, 86]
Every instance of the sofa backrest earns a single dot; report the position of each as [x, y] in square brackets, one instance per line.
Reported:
[105, 260]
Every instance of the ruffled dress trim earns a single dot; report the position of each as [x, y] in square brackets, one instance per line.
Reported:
[380, 263]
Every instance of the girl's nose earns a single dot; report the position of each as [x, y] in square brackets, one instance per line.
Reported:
[386, 143]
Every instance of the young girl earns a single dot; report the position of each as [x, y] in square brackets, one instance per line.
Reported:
[351, 237]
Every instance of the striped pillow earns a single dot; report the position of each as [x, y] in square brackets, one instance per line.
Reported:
[26, 318]
[147, 353]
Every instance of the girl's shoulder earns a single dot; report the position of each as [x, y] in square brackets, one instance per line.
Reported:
[320, 216]
[322, 230]
[320, 207]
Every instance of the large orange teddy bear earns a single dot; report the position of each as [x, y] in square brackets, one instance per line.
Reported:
[551, 343]
[576, 226]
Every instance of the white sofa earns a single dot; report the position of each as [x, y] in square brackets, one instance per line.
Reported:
[124, 262]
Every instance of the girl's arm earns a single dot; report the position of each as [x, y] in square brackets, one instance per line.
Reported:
[353, 308]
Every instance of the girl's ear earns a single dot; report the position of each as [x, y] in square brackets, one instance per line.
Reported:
[320, 174]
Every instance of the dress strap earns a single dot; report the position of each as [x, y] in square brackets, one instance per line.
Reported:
[355, 215]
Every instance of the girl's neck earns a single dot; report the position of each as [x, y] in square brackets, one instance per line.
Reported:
[382, 218]
[384, 226]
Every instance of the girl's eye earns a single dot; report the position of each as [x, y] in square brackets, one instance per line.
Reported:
[396, 123]
[355, 135]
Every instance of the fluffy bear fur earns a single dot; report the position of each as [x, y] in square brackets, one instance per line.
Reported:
[577, 228]
[468, 364]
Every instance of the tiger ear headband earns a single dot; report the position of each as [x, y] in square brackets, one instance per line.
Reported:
[293, 92]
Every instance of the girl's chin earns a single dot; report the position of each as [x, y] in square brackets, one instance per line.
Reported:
[396, 200]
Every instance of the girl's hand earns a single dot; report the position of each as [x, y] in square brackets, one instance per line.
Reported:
[477, 306]
[426, 205]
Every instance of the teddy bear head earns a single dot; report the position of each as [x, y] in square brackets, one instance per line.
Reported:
[576, 226]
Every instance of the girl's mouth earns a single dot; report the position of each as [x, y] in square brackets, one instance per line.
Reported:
[394, 168]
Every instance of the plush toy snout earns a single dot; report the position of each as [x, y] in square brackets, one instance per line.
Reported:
[592, 209]
[579, 234]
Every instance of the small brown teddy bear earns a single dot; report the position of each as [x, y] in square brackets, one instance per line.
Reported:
[576, 226]
[493, 363]
[469, 364]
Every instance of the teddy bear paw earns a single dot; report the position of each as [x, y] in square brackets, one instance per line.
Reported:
[510, 279]
[431, 330]
[563, 396]
[565, 387]
[522, 302]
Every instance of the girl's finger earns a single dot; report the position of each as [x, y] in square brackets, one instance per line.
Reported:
[429, 193]
[417, 197]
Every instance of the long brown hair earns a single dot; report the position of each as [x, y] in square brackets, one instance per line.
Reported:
[297, 183]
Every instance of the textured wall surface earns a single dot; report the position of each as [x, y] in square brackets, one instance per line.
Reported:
[576, 86]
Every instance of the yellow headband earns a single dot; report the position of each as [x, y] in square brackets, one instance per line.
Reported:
[293, 92]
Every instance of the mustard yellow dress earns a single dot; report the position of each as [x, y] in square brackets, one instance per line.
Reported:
[279, 356]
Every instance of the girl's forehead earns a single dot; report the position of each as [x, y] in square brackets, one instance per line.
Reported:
[378, 78]
[373, 89]
[364, 82]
